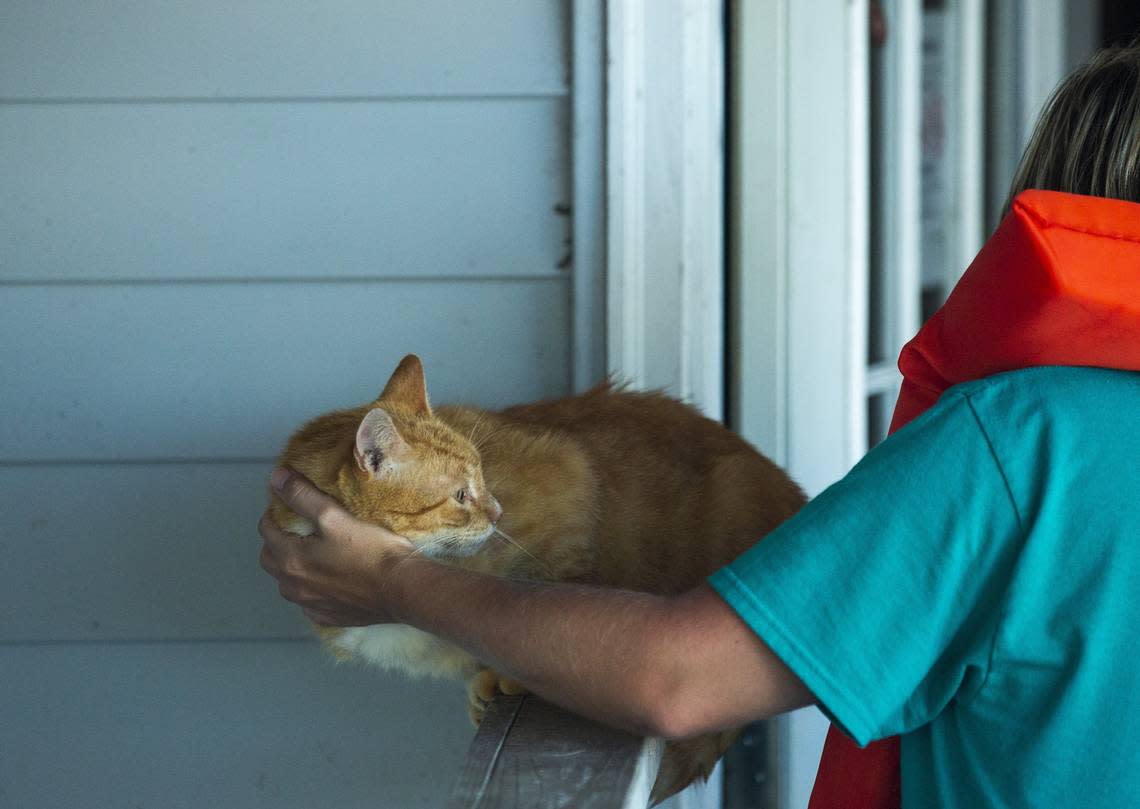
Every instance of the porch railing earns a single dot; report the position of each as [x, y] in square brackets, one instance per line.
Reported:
[528, 754]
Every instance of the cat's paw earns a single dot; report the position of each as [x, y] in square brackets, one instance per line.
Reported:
[483, 687]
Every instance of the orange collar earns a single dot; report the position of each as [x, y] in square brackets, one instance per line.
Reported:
[1058, 283]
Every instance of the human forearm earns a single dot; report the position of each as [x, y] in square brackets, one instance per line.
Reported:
[594, 651]
[650, 664]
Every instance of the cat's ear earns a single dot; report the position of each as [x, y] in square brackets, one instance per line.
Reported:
[407, 387]
[379, 446]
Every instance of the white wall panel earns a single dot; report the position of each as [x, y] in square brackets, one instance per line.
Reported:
[137, 551]
[249, 725]
[283, 190]
[227, 371]
[218, 220]
[259, 48]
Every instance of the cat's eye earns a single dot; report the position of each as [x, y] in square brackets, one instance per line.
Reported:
[461, 495]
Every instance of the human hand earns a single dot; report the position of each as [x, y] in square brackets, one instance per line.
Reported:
[340, 574]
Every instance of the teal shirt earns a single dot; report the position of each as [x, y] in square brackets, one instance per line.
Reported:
[974, 584]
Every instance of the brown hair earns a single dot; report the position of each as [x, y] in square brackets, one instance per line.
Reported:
[1087, 139]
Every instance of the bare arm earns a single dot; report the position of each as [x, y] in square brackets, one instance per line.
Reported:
[663, 666]
[655, 665]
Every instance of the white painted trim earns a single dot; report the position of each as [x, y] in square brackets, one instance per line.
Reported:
[758, 226]
[625, 192]
[823, 367]
[644, 775]
[665, 212]
[971, 129]
[702, 214]
[857, 126]
[665, 267]
[899, 152]
[587, 195]
[904, 279]
[883, 377]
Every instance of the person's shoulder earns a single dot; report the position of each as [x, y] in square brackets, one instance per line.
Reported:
[1049, 382]
[1057, 393]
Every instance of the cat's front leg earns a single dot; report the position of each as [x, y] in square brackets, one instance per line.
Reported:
[483, 687]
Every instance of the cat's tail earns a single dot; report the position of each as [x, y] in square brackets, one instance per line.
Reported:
[686, 760]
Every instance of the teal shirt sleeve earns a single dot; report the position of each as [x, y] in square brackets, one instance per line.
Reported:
[884, 593]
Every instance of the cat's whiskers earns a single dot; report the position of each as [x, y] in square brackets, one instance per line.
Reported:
[418, 550]
[511, 540]
[475, 426]
[446, 546]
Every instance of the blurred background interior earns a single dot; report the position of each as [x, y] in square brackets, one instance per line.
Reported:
[218, 219]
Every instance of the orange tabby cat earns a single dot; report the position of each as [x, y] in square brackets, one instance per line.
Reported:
[629, 490]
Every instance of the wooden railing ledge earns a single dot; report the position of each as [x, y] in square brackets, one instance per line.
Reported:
[529, 754]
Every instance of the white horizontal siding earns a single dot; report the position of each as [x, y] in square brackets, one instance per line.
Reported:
[249, 725]
[283, 190]
[219, 220]
[263, 48]
[137, 551]
[228, 371]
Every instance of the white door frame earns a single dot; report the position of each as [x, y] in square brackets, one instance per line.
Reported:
[800, 275]
[665, 269]
[664, 197]
[799, 215]
[799, 210]
[799, 379]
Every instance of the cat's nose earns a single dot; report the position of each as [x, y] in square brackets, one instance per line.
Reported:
[494, 510]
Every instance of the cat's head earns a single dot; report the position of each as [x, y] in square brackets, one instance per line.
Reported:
[409, 471]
